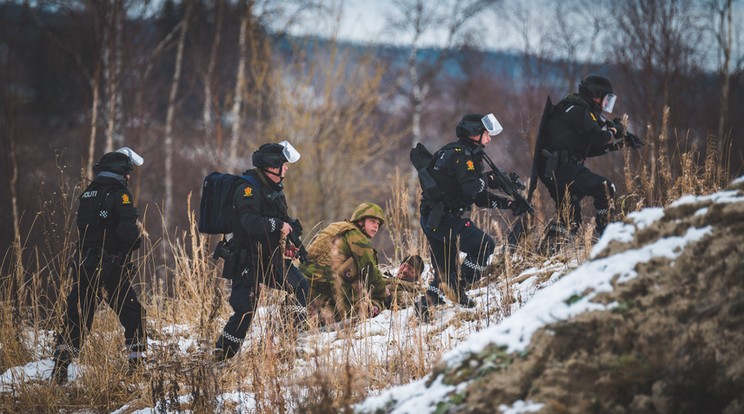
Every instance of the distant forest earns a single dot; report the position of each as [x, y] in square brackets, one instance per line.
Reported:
[197, 86]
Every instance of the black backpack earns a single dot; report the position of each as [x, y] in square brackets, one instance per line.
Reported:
[422, 159]
[216, 203]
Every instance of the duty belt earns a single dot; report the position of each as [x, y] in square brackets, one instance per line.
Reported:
[569, 157]
[426, 209]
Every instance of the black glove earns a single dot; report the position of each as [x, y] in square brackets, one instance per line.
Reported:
[491, 180]
[516, 208]
[620, 129]
[615, 145]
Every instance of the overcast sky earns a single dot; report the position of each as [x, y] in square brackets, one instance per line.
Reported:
[501, 27]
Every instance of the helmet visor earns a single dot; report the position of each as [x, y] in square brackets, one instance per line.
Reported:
[289, 152]
[608, 103]
[136, 158]
[492, 124]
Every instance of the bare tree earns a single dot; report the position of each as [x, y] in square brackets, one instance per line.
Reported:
[113, 33]
[240, 86]
[168, 139]
[723, 31]
[418, 19]
[655, 47]
[207, 111]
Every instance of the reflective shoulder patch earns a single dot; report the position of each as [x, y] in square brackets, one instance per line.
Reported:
[594, 118]
[125, 199]
[248, 192]
[471, 166]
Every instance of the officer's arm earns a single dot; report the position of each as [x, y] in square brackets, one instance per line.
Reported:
[247, 201]
[487, 199]
[596, 137]
[126, 229]
[466, 174]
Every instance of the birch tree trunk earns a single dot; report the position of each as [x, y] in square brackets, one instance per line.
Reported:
[168, 140]
[112, 61]
[236, 117]
[725, 42]
[207, 112]
[93, 124]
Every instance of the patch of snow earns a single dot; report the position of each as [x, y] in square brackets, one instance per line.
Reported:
[416, 398]
[550, 305]
[719, 197]
[521, 407]
[623, 232]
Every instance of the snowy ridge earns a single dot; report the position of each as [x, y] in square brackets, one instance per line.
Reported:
[564, 299]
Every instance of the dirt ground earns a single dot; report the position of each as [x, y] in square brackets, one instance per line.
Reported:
[675, 343]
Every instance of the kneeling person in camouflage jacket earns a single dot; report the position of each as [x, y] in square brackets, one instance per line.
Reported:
[342, 267]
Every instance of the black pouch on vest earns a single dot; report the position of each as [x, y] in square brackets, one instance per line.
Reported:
[226, 251]
[551, 164]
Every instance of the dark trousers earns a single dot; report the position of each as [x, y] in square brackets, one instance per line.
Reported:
[443, 245]
[244, 299]
[578, 182]
[83, 300]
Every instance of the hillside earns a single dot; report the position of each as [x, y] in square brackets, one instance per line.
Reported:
[652, 324]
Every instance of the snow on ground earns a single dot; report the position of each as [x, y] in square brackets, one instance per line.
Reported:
[562, 300]
[541, 301]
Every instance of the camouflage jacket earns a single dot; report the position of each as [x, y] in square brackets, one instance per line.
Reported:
[342, 269]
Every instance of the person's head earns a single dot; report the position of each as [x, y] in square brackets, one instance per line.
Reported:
[272, 159]
[598, 89]
[411, 268]
[478, 128]
[369, 217]
[118, 164]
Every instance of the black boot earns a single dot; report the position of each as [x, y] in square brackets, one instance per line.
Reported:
[435, 296]
[422, 308]
[463, 298]
[62, 360]
[602, 219]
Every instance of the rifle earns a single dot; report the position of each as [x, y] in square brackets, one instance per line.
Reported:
[510, 185]
[632, 140]
[294, 238]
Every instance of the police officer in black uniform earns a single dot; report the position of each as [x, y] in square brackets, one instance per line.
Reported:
[260, 224]
[575, 131]
[108, 233]
[461, 181]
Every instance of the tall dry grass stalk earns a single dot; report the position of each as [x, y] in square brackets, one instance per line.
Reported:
[403, 226]
[668, 175]
[281, 368]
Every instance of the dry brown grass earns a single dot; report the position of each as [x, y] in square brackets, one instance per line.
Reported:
[280, 369]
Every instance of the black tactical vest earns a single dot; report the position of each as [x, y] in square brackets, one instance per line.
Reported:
[95, 217]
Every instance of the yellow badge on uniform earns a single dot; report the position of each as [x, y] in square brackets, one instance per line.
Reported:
[470, 165]
[593, 117]
[125, 199]
[248, 192]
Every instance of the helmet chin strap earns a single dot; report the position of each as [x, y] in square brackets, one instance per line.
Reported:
[266, 171]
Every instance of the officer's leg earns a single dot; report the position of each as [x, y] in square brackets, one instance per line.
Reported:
[243, 300]
[437, 250]
[123, 300]
[297, 284]
[444, 258]
[478, 246]
[78, 318]
[602, 190]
